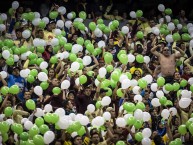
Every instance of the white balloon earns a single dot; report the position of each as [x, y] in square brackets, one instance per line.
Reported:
[62, 10]
[15, 5]
[132, 14]
[134, 83]
[6, 54]
[86, 60]
[190, 30]
[60, 23]
[146, 116]
[125, 30]
[26, 34]
[186, 94]
[161, 20]
[154, 87]
[43, 65]
[99, 121]
[146, 132]
[98, 32]
[123, 77]
[75, 66]
[190, 80]
[42, 76]
[49, 137]
[78, 20]
[138, 98]
[184, 102]
[159, 94]
[120, 122]
[3, 74]
[191, 43]
[131, 58]
[107, 116]
[77, 81]
[165, 113]
[91, 108]
[84, 120]
[24, 73]
[126, 83]
[16, 58]
[48, 108]
[138, 114]
[2, 27]
[28, 125]
[54, 42]
[179, 26]
[78, 116]
[173, 111]
[126, 116]
[168, 18]
[105, 101]
[65, 84]
[146, 59]
[66, 54]
[169, 38]
[146, 141]
[57, 32]
[68, 24]
[102, 72]
[60, 112]
[9, 121]
[76, 48]
[70, 16]
[101, 44]
[171, 26]
[161, 7]
[63, 123]
[136, 90]
[3, 16]
[39, 112]
[155, 102]
[149, 79]
[156, 31]
[96, 82]
[36, 21]
[46, 20]
[74, 134]
[38, 90]
[189, 25]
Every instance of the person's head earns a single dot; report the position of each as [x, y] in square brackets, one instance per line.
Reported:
[177, 76]
[2, 62]
[71, 96]
[19, 33]
[58, 142]
[150, 36]
[137, 73]
[49, 48]
[115, 12]
[51, 73]
[20, 10]
[95, 138]
[182, 13]
[166, 52]
[87, 91]
[101, 62]
[77, 140]
[186, 70]
[152, 23]
[49, 27]
[27, 95]
[40, 34]
[115, 137]
[19, 107]
[157, 139]
[16, 71]
[111, 42]
[55, 82]
[112, 111]
[67, 105]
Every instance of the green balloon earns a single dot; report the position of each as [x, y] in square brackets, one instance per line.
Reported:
[101, 26]
[123, 58]
[131, 120]
[10, 11]
[83, 79]
[129, 107]
[109, 91]
[140, 58]
[115, 75]
[128, 75]
[162, 100]
[30, 104]
[138, 136]
[33, 131]
[92, 26]
[4, 90]
[186, 37]
[108, 57]
[56, 90]
[176, 86]
[87, 42]
[53, 15]
[10, 61]
[38, 140]
[32, 56]
[191, 88]
[120, 93]
[80, 41]
[109, 68]
[44, 85]
[112, 27]
[81, 131]
[81, 26]
[40, 49]
[4, 127]
[8, 111]
[39, 121]
[44, 128]
[30, 78]
[188, 123]
[98, 104]
[39, 61]
[106, 30]
[190, 128]
[178, 141]
[100, 21]
[82, 15]
[139, 13]
[173, 143]
[1, 99]
[120, 143]
[33, 72]
[169, 87]
[55, 118]
[5, 137]
[106, 83]
[74, 14]
[24, 136]
[76, 23]
[53, 60]
[160, 81]
[183, 83]
[185, 29]
[140, 105]
[56, 49]
[176, 21]
[23, 49]
[31, 16]
[90, 47]
[139, 35]
[142, 83]
[168, 11]
[115, 23]
[72, 57]
[42, 24]
[138, 124]
[176, 36]
[18, 129]
[9, 43]
[182, 129]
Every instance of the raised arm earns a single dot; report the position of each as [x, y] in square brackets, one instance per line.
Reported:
[178, 55]
[154, 51]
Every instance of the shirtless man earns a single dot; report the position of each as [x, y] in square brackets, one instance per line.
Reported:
[167, 61]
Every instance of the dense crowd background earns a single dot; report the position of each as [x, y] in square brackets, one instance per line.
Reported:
[67, 82]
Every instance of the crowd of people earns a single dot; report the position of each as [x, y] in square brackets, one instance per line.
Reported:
[62, 82]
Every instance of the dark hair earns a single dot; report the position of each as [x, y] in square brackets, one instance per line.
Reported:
[65, 103]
